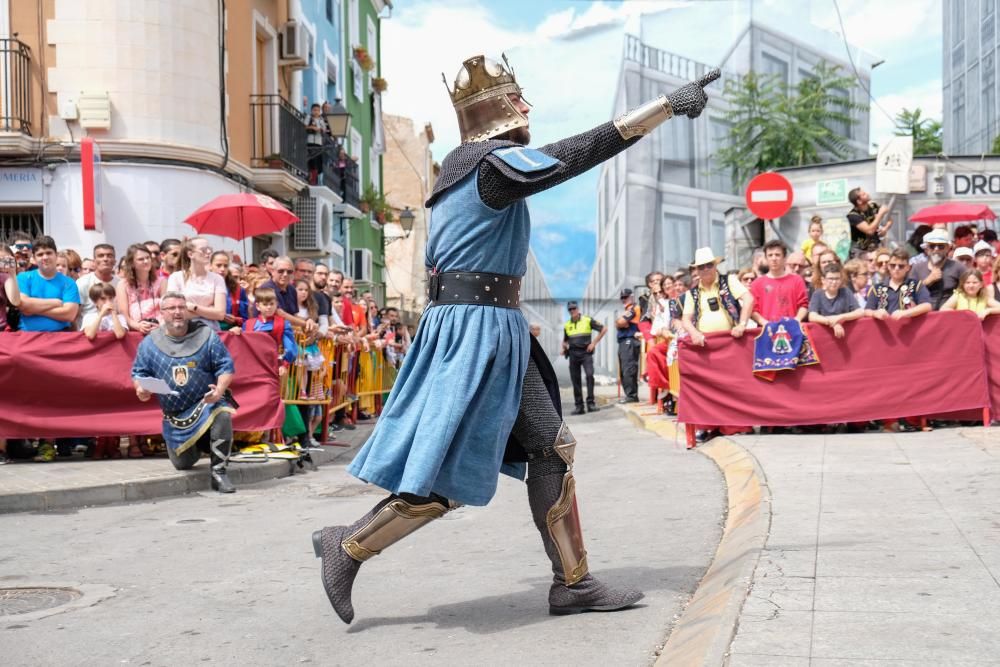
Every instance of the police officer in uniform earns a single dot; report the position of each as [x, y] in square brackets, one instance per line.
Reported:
[629, 345]
[579, 349]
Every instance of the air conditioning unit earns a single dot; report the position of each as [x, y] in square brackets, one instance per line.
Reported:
[305, 232]
[361, 265]
[294, 45]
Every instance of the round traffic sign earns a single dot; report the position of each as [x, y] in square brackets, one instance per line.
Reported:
[769, 195]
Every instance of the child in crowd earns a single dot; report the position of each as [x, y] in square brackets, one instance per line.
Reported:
[973, 294]
[267, 321]
[815, 236]
[834, 304]
[107, 317]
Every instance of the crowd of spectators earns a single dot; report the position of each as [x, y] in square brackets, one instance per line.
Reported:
[937, 271]
[45, 289]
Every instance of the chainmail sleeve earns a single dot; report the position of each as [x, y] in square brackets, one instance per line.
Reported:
[499, 187]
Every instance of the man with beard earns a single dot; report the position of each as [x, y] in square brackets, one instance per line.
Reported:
[284, 290]
[197, 416]
[170, 257]
[869, 222]
[476, 395]
[939, 274]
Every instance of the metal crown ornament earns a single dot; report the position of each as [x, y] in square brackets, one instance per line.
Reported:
[480, 97]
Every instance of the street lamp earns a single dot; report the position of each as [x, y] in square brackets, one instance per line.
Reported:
[406, 219]
[338, 119]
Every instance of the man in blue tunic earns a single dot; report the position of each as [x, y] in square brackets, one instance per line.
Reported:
[198, 368]
[476, 395]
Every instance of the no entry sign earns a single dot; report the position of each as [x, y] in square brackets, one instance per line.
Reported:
[769, 195]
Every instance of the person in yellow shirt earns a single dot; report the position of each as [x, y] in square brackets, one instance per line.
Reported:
[815, 236]
[718, 303]
[972, 294]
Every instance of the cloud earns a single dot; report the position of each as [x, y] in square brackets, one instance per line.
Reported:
[885, 29]
[549, 238]
[926, 97]
[414, 72]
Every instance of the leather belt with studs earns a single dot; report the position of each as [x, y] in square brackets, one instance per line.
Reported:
[484, 289]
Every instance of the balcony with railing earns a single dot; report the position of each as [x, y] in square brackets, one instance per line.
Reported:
[278, 135]
[15, 86]
[669, 63]
[332, 167]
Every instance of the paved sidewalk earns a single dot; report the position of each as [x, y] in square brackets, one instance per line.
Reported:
[882, 548]
[77, 482]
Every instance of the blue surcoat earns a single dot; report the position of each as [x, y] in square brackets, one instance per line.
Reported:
[445, 425]
[189, 371]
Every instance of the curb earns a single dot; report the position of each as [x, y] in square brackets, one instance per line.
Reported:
[180, 483]
[703, 633]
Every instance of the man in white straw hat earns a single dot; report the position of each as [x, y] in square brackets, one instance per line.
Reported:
[715, 304]
[939, 274]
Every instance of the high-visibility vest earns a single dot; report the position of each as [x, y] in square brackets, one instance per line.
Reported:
[581, 327]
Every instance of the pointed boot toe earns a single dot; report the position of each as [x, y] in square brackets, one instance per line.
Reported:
[589, 595]
[338, 571]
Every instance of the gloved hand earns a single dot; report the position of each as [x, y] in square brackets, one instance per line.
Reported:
[690, 100]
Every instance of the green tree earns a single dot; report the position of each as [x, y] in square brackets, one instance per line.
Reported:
[926, 132]
[996, 145]
[774, 126]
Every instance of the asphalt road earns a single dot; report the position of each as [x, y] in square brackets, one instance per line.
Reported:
[232, 579]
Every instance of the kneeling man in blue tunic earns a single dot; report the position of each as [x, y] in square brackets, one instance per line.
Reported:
[476, 395]
[197, 415]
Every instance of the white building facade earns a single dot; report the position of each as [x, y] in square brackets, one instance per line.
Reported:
[970, 85]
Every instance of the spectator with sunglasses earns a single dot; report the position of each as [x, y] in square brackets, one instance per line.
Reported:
[21, 245]
[878, 266]
[717, 303]
[939, 274]
[857, 278]
[902, 297]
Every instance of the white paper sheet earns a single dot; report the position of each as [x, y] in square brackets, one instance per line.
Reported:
[156, 386]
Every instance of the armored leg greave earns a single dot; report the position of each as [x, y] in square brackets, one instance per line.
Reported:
[344, 548]
[220, 444]
[552, 497]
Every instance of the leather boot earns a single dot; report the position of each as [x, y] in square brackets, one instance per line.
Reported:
[586, 594]
[219, 457]
[344, 548]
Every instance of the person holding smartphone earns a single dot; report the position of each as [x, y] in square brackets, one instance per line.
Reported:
[10, 294]
[717, 303]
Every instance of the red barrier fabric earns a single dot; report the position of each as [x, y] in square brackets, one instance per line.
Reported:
[880, 370]
[991, 334]
[63, 385]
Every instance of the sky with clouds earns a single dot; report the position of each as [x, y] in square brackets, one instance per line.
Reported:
[567, 55]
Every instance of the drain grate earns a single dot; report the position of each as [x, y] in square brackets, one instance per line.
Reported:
[14, 601]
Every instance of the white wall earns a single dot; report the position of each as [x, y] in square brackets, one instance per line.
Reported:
[140, 203]
[158, 61]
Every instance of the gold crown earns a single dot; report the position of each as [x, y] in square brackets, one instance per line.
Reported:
[479, 79]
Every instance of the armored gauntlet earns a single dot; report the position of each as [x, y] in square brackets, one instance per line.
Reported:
[689, 100]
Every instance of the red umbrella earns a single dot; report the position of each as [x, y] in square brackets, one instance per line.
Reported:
[953, 213]
[242, 215]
